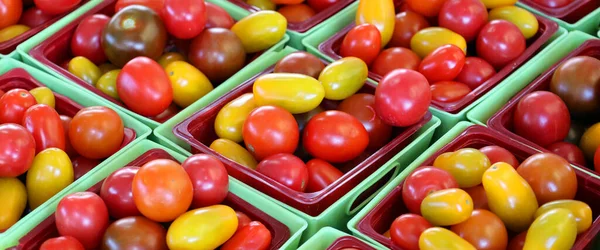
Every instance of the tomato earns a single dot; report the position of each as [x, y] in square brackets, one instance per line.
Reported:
[363, 41]
[343, 78]
[423, 181]
[553, 3]
[234, 152]
[550, 176]
[320, 5]
[287, 1]
[498, 154]
[218, 53]
[62, 242]
[440, 238]
[209, 178]
[490, 4]
[285, 169]
[13, 31]
[169, 57]
[262, 4]
[253, 236]
[597, 160]
[243, 220]
[260, 30]
[107, 83]
[144, 87]
[13, 104]
[407, 24]
[449, 91]
[189, 84]
[45, 125]
[218, 17]
[510, 196]
[575, 81]
[43, 95]
[426, 8]
[465, 17]
[479, 197]
[86, 40]
[475, 72]
[402, 97]
[105, 67]
[94, 139]
[230, 119]
[542, 118]
[580, 210]
[84, 69]
[590, 141]
[300, 62]
[568, 151]
[443, 63]
[467, 165]
[14, 195]
[555, 229]
[379, 13]
[523, 19]
[50, 172]
[484, 230]
[517, 242]
[361, 106]
[202, 228]
[500, 42]
[406, 229]
[320, 175]
[155, 5]
[34, 17]
[171, 111]
[296, 13]
[116, 193]
[82, 166]
[427, 40]
[10, 11]
[56, 7]
[395, 58]
[162, 190]
[17, 150]
[184, 19]
[135, 232]
[302, 119]
[301, 94]
[447, 207]
[270, 130]
[83, 216]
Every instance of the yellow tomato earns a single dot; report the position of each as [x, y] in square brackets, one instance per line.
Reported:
[509, 196]
[437, 238]
[14, 200]
[262, 4]
[343, 78]
[105, 67]
[491, 4]
[13, 31]
[520, 17]
[50, 172]
[447, 207]
[234, 152]
[108, 83]
[202, 228]
[581, 211]
[189, 84]
[260, 30]
[429, 39]
[380, 13]
[467, 165]
[556, 229]
[296, 93]
[84, 69]
[387, 234]
[168, 58]
[43, 95]
[231, 117]
[590, 141]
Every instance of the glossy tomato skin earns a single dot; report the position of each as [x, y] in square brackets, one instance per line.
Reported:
[155, 5]
[379, 13]
[525, 20]
[84, 216]
[252, 236]
[498, 154]
[550, 176]
[423, 181]
[517, 242]
[361, 106]
[270, 130]
[443, 63]
[10, 11]
[449, 91]
[13, 31]
[243, 220]
[500, 42]
[135, 232]
[406, 229]
[296, 13]
[44, 123]
[16, 151]
[320, 175]
[363, 41]
[555, 229]
[579, 209]
[428, 39]
[447, 207]
[475, 72]
[590, 141]
[62, 242]
[395, 58]
[260, 30]
[343, 78]
[184, 19]
[230, 119]
[202, 228]
[56, 7]
[86, 40]
[479, 197]
[301, 94]
[234, 152]
[300, 62]
[435, 238]
[209, 178]
[13, 104]
[286, 169]
[66, 122]
[93, 139]
[426, 8]
[569, 151]
[145, 87]
[597, 160]
[320, 5]
[575, 81]
[82, 166]
[484, 230]
[117, 193]
[218, 53]
[218, 17]
[406, 25]
[50, 172]
[465, 17]
[402, 97]
[34, 17]
[542, 117]
[14, 195]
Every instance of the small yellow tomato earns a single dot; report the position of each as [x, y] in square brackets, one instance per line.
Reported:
[234, 152]
[260, 30]
[43, 95]
[230, 119]
[467, 165]
[105, 67]
[581, 211]
[381, 14]
[262, 4]
[189, 84]
[491, 4]
[343, 78]
[170, 57]
[12, 31]
[296, 93]
[203, 228]
[555, 229]
[429, 39]
[108, 83]
[590, 141]
[509, 196]
[85, 69]
[14, 200]
[520, 17]
[437, 238]
[50, 172]
[447, 207]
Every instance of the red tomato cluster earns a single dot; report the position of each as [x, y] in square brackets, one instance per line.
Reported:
[295, 11]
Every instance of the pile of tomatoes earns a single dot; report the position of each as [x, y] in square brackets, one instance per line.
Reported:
[295, 11]
[477, 199]
[145, 200]
[127, 57]
[46, 150]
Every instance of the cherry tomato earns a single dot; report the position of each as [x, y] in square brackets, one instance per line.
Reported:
[270, 130]
[82, 166]
[10, 11]
[475, 72]
[465, 17]
[500, 42]
[440, 238]
[171, 111]
[156, 5]
[145, 87]
[169, 57]
[406, 229]
[262, 4]
[479, 197]
[542, 118]
[467, 165]
[34, 17]
[62, 242]
[83, 216]
[422, 182]
[484, 230]
[361, 106]
[252, 236]
[14, 197]
[135, 232]
[590, 141]
[296, 13]
[184, 19]
[498, 154]
[218, 53]
[13, 104]
[520, 17]
[597, 160]
[363, 41]
[301, 94]
[243, 220]
[218, 17]
[581, 211]
[426, 8]
[343, 78]
[94, 139]
[320, 175]
[44, 123]
[553, 3]
[117, 193]
[490, 4]
[189, 83]
[320, 5]
[54, 7]
[568, 151]
[50, 172]
[402, 97]
[84, 69]
[13, 31]
[43, 95]
[575, 81]
[230, 119]
[234, 152]
[286, 169]
[209, 178]
[300, 62]
[550, 176]
[106, 67]
[449, 91]
[380, 13]
[555, 229]
[260, 30]
[202, 228]
[407, 24]
[517, 242]
[107, 83]
[447, 207]
[17, 150]
[395, 58]
[86, 39]
[443, 63]
[428, 39]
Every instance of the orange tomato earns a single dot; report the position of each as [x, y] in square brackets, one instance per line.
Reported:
[379, 13]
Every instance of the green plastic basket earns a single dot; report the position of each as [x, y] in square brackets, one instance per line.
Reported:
[84, 99]
[587, 24]
[522, 77]
[325, 237]
[235, 11]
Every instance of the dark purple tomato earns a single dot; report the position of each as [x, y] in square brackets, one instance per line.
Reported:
[300, 62]
[286, 169]
[135, 232]
[86, 40]
[116, 193]
[475, 72]
[542, 117]
[569, 151]
[395, 58]
[406, 25]
[363, 41]
[209, 178]
[500, 42]
[443, 63]
[362, 107]
[34, 17]
[577, 82]
[402, 97]
[449, 91]
[465, 17]
[218, 53]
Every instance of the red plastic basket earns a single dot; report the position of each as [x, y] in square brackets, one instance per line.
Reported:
[502, 121]
[331, 48]
[570, 13]
[198, 131]
[349, 242]
[302, 27]
[379, 220]
[47, 228]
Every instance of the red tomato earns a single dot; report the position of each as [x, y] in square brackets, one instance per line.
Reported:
[252, 236]
[287, 1]
[117, 193]
[320, 5]
[270, 130]
[296, 13]
[449, 91]
[66, 122]
[45, 125]
[553, 3]
[82, 166]
[395, 58]
[484, 230]
[171, 111]
[569, 151]
[429, 8]
[320, 175]
[363, 41]
[499, 154]
[96, 132]
[479, 197]
[407, 24]
[597, 160]
[62, 243]
[335, 136]
[243, 220]
[13, 105]
[542, 117]
[443, 64]
[517, 242]
[286, 169]
[423, 181]
[475, 72]
[10, 11]
[143, 85]
[86, 39]
[55, 7]
[361, 106]
[500, 42]
[465, 17]
[34, 17]
[209, 178]
[402, 97]
[184, 19]
[217, 17]
[406, 230]
[550, 176]
[84, 216]
[16, 150]
[156, 5]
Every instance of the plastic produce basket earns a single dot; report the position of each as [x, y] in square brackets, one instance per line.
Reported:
[14, 74]
[331, 239]
[52, 51]
[377, 217]
[582, 15]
